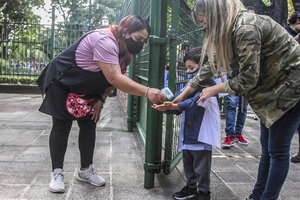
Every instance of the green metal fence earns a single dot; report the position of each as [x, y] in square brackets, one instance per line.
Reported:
[172, 34]
[146, 70]
[183, 34]
[24, 48]
[27, 48]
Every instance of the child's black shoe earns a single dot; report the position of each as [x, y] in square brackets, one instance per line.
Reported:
[185, 193]
[202, 196]
[296, 158]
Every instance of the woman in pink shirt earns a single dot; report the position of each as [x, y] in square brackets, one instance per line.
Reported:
[76, 83]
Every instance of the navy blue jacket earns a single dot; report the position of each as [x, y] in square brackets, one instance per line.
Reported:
[193, 115]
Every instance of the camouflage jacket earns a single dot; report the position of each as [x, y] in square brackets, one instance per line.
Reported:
[265, 67]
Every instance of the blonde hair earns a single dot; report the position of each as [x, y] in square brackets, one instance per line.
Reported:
[220, 16]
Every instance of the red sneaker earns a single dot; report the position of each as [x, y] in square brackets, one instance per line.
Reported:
[229, 141]
[239, 139]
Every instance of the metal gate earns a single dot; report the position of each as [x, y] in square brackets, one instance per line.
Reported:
[172, 34]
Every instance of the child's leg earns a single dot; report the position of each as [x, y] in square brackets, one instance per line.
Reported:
[188, 165]
[202, 167]
[190, 190]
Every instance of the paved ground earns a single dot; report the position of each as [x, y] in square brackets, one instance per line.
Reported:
[25, 161]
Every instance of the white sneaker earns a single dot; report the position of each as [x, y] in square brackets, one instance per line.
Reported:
[57, 184]
[89, 175]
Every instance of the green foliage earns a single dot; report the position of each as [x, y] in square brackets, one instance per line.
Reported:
[290, 7]
[24, 80]
[2, 63]
[77, 11]
[190, 3]
[72, 11]
[267, 2]
[15, 16]
[19, 11]
[109, 8]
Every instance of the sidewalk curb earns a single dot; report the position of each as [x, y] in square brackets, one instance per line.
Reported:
[20, 89]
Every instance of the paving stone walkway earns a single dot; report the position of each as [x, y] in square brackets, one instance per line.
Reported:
[25, 160]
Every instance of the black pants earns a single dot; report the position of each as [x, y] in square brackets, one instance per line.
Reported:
[58, 141]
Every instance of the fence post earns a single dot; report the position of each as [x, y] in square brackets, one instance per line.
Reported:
[52, 34]
[153, 144]
[172, 79]
[90, 13]
[130, 119]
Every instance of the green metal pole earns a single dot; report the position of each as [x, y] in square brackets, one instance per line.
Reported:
[52, 33]
[172, 78]
[90, 14]
[130, 119]
[153, 129]
[162, 59]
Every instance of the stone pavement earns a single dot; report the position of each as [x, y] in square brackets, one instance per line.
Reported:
[25, 160]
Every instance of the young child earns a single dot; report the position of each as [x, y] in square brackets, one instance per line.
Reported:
[200, 129]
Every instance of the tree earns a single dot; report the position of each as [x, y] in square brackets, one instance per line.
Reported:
[19, 11]
[72, 11]
[16, 11]
[109, 8]
[292, 6]
[77, 11]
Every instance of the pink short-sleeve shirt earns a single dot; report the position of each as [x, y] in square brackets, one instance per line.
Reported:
[97, 46]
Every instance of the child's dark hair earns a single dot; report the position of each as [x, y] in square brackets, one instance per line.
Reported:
[293, 18]
[251, 8]
[194, 55]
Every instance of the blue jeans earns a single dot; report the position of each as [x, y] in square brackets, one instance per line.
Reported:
[235, 122]
[275, 156]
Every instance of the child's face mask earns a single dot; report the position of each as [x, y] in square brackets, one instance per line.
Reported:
[192, 74]
[191, 68]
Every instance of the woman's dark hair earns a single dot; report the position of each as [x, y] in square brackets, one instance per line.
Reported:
[293, 18]
[194, 54]
[134, 23]
[129, 24]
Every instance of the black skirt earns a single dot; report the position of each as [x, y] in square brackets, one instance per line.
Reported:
[54, 103]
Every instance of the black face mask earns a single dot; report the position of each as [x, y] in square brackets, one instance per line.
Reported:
[134, 47]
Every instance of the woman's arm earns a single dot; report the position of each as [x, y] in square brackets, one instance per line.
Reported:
[203, 78]
[211, 91]
[247, 41]
[200, 81]
[183, 95]
[114, 76]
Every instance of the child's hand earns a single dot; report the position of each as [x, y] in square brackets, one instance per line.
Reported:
[163, 107]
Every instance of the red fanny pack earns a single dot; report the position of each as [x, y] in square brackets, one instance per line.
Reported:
[79, 107]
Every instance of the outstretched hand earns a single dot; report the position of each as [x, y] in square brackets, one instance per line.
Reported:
[156, 96]
[163, 107]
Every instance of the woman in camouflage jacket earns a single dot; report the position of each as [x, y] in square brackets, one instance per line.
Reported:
[265, 64]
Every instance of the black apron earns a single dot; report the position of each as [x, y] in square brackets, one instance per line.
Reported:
[61, 76]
